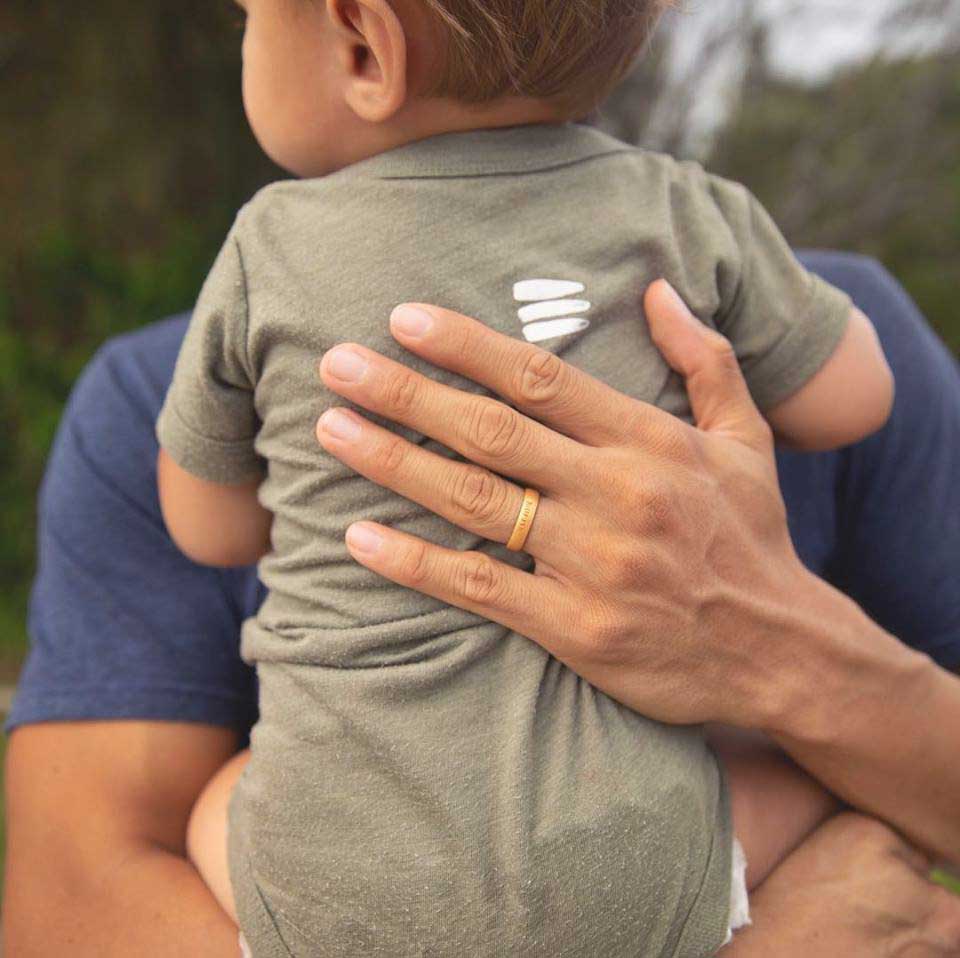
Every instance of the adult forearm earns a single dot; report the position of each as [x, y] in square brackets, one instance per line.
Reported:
[874, 721]
[151, 903]
[96, 823]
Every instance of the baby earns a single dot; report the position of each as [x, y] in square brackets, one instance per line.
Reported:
[421, 781]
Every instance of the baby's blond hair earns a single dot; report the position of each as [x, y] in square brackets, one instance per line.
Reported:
[572, 52]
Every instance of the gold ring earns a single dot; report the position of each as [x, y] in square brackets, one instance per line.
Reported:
[528, 512]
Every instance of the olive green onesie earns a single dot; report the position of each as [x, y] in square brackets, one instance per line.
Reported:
[423, 781]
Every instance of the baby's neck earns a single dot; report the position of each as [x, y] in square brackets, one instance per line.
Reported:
[421, 119]
[432, 117]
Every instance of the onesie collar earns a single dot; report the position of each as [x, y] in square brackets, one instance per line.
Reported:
[517, 149]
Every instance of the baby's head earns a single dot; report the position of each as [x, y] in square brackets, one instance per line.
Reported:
[329, 82]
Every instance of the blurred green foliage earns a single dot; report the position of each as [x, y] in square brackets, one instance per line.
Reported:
[125, 154]
[124, 157]
[949, 881]
[869, 162]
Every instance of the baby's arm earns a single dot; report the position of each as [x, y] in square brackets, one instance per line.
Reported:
[208, 470]
[847, 400]
[775, 804]
[812, 360]
[213, 523]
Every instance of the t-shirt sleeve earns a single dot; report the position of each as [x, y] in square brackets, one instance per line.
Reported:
[898, 491]
[122, 625]
[208, 423]
[783, 321]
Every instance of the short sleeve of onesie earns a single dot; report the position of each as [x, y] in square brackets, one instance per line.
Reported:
[208, 423]
[783, 321]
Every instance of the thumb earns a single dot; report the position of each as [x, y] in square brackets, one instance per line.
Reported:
[718, 393]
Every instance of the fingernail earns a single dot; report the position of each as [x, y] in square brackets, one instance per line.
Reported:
[346, 365]
[411, 321]
[364, 538]
[340, 425]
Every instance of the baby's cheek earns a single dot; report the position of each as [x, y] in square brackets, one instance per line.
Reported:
[253, 95]
[276, 98]
[265, 111]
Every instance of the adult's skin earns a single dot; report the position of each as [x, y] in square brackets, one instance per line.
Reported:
[97, 816]
[656, 544]
[855, 889]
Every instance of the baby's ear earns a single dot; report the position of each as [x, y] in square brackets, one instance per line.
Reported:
[373, 50]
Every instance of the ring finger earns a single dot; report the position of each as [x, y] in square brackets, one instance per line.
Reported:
[466, 495]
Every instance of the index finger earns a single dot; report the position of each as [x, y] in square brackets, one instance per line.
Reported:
[535, 381]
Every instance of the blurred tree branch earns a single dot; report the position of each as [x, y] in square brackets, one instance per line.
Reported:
[865, 158]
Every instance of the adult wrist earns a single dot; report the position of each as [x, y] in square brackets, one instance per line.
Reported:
[839, 665]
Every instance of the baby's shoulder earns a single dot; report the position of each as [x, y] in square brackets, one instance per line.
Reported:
[684, 184]
[285, 202]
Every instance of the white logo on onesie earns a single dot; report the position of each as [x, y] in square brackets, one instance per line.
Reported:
[549, 311]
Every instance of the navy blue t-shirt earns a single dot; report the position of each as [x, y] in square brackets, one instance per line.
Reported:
[124, 627]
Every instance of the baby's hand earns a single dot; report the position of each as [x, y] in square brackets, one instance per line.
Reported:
[856, 889]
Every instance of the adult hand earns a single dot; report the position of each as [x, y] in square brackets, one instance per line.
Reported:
[856, 889]
[665, 573]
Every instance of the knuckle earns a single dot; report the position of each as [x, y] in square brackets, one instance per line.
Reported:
[722, 350]
[620, 474]
[478, 494]
[402, 392]
[415, 564]
[688, 447]
[478, 579]
[495, 429]
[542, 378]
[626, 566]
[670, 440]
[394, 456]
[656, 510]
[607, 638]
[462, 341]
[678, 443]
[764, 431]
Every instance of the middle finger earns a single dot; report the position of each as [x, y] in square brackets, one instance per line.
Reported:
[481, 429]
[464, 494]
